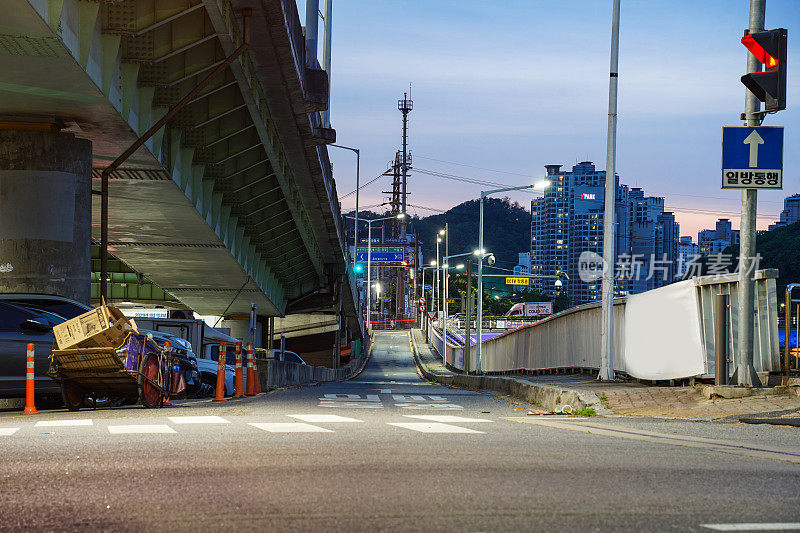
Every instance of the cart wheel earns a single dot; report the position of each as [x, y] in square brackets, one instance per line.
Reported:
[72, 395]
[150, 394]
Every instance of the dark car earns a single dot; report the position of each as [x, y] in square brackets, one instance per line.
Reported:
[19, 326]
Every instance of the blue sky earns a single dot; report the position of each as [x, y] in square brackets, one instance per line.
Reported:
[503, 88]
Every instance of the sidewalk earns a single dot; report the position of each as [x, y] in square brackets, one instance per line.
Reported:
[628, 398]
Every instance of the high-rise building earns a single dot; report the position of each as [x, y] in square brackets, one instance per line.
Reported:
[790, 213]
[714, 241]
[523, 268]
[688, 251]
[567, 231]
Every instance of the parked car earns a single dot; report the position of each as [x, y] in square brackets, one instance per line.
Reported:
[289, 356]
[182, 350]
[18, 327]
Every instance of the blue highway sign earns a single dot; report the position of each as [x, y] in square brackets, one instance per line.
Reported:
[380, 257]
[752, 158]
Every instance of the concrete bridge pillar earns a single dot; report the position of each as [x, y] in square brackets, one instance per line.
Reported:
[45, 213]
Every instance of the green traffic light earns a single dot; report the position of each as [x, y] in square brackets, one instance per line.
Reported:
[358, 268]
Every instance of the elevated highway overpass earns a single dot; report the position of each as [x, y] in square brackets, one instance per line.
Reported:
[235, 195]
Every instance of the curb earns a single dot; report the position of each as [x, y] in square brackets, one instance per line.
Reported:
[546, 396]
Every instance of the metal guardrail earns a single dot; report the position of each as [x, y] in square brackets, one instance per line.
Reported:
[571, 339]
[766, 352]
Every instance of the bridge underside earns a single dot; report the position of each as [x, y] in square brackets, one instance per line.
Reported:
[236, 192]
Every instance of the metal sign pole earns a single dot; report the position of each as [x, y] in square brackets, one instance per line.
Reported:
[745, 374]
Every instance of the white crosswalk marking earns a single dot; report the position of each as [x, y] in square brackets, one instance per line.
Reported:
[447, 418]
[289, 427]
[7, 432]
[324, 418]
[432, 427]
[765, 526]
[198, 420]
[141, 428]
[63, 423]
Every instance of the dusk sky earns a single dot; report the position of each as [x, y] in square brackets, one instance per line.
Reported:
[502, 88]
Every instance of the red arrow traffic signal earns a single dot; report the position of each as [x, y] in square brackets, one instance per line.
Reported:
[769, 47]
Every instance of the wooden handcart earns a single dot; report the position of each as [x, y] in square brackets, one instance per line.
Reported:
[137, 371]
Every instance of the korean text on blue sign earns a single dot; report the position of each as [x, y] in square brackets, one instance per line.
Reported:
[752, 158]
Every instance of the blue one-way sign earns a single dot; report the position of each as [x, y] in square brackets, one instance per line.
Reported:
[752, 158]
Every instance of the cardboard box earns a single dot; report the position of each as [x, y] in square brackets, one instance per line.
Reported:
[102, 327]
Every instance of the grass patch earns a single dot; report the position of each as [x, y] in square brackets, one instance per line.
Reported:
[585, 411]
[604, 401]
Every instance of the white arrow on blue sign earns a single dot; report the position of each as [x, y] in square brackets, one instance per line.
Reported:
[752, 158]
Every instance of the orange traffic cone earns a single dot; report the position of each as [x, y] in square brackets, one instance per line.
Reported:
[30, 408]
[220, 396]
[168, 379]
[238, 384]
[251, 374]
[256, 381]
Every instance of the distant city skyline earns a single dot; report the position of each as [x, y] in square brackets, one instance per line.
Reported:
[488, 97]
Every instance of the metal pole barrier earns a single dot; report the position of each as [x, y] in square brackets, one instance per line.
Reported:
[745, 374]
[607, 332]
[721, 339]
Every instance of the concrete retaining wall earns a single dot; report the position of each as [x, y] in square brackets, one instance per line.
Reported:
[274, 374]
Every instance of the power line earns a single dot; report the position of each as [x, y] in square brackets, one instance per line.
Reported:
[370, 182]
[473, 166]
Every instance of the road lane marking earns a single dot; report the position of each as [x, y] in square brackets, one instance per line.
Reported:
[142, 428]
[351, 401]
[352, 405]
[447, 418]
[7, 432]
[324, 418]
[430, 406]
[432, 427]
[760, 452]
[198, 420]
[289, 427]
[767, 526]
[64, 423]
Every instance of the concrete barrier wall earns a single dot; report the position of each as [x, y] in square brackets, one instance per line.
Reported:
[274, 374]
[571, 339]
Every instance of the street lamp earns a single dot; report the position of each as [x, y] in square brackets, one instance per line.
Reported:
[445, 268]
[482, 254]
[358, 179]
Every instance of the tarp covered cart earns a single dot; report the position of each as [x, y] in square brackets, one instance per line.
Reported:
[138, 371]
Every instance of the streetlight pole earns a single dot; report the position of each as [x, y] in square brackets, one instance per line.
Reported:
[358, 179]
[481, 253]
[607, 332]
[446, 274]
[446, 287]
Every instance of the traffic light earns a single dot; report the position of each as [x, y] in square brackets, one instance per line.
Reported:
[358, 268]
[769, 47]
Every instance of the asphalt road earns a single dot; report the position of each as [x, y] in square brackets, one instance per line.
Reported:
[375, 454]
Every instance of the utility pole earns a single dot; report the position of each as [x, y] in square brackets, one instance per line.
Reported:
[745, 375]
[405, 106]
[607, 332]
